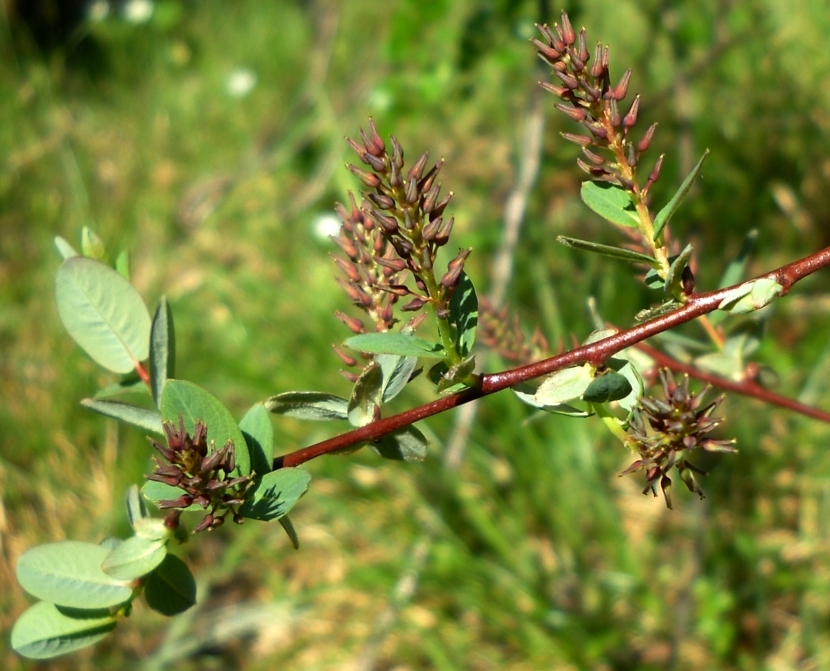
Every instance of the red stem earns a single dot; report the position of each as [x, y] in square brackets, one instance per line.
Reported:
[595, 353]
[142, 373]
[744, 387]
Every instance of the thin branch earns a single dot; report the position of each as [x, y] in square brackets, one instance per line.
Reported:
[743, 387]
[595, 353]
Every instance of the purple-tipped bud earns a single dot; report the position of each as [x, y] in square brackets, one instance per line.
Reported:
[383, 202]
[546, 52]
[370, 179]
[345, 358]
[430, 198]
[395, 176]
[346, 245]
[655, 173]
[592, 94]
[582, 47]
[373, 143]
[631, 118]
[575, 113]
[172, 480]
[354, 325]
[206, 523]
[414, 305]
[645, 143]
[631, 156]
[592, 170]
[597, 69]
[417, 170]
[439, 208]
[425, 184]
[360, 151]
[395, 264]
[387, 223]
[581, 140]
[349, 269]
[559, 91]
[431, 229]
[412, 193]
[577, 64]
[454, 269]
[403, 247]
[596, 130]
[567, 31]
[397, 153]
[614, 113]
[165, 452]
[351, 289]
[182, 502]
[443, 235]
[568, 80]
[596, 159]
[378, 163]
[620, 90]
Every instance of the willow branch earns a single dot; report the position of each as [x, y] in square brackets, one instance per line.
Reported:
[595, 353]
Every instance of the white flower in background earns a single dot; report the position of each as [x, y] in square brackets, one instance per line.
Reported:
[240, 82]
[138, 11]
[97, 10]
[325, 225]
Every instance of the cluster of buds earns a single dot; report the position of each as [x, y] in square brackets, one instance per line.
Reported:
[397, 230]
[665, 432]
[505, 336]
[589, 99]
[202, 473]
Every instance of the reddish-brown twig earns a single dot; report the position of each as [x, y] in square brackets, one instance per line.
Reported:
[595, 353]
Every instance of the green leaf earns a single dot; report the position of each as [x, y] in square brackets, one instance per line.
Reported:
[103, 313]
[751, 296]
[162, 349]
[135, 557]
[289, 529]
[275, 494]
[66, 250]
[92, 246]
[663, 216]
[129, 386]
[171, 588]
[463, 317]
[69, 573]
[564, 385]
[158, 491]
[44, 630]
[194, 403]
[136, 510]
[405, 444]
[734, 272]
[455, 376]
[526, 394]
[125, 412]
[599, 334]
[396, 372]
[607, 250]
[259, 434]
[364, 405]
[152, 529]
[611, 202]
[606, 388]
[657, 311]
[653, 280]
[627, 369]
[309, 405]
[122, 264]
[395, 343]
[674, 278]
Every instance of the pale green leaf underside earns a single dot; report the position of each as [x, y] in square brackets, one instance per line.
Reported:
[125, 412]
[611, 202]
[308, 405]
[276, 493]
[44, 631]
[395, 343]
[103, 313]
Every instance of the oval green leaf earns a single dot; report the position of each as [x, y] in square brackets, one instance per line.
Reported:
[171, 588]
[606, 388]
[126, 412]
[406, 444]
[275, 494]
[308, 405]
[162, 349]
[395, 343]
[192, 403]
[463, 315]
[259, 434]
[135, 557]
[396, 372]
[103, 313]
[45, 631]
[611, 202]
[69, 574]
[564, 385]
[364, 405]
[663, 216]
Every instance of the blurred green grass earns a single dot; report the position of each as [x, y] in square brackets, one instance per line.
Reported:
[540, 556]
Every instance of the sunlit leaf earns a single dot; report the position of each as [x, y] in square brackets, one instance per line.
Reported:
[664, 215]
[564, 385]
[275, 494]
[618, 253]
[171, 588]
[44, 630]
[607, 387]
[259, 433]
[162, 349]
[135, 557]
[396, 372]
[308, 405]
[611, 202]
[395, 343]
[125, 412]
[364, 405]
[463, 315]
[405, 444]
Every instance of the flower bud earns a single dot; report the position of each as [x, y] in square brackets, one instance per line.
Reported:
[370, 179]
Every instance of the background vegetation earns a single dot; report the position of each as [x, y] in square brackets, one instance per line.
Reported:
[533, 554]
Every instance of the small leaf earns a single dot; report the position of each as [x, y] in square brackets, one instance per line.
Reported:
[564, 385]
[607, 250]
[194, 403]
[171, 588]
[309, 405]
[463, 317]
[162, 349]
[395, 343]
[526, 394]
[653, 280]
[44, 630]
[663, 216]
[627, 369]
[129, 386]
[122, 264]
[103, 313]
[734, 272]
[288, 527]
[396, 372]
[125, 412]
[599, 334]
[364, 405]
[674, 278]
[259, 434]
[751, 296]
[66, 250]
[69, 574]
[606, 388]
[152, 529]
[456, 375]
[136, 510]
[92, 246]
[611, 202]
[657, 311]
[275, 494]
[135, 557]
[405, 444]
